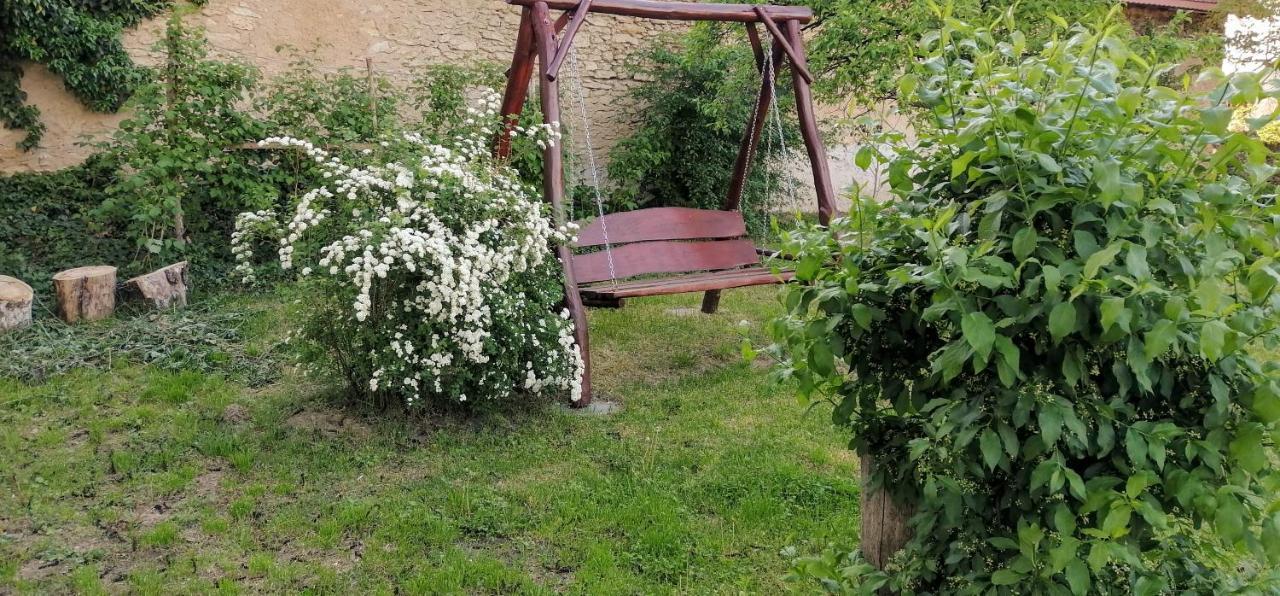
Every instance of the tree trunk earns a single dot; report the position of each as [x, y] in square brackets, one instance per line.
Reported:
[85, 293]
[15, 304]
[162, 288]
[884, 521]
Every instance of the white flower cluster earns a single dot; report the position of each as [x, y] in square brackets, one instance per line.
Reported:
[430, 250]
[250, 226]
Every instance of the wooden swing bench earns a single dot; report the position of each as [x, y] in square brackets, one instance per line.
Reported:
[664, 250]
[706, 250]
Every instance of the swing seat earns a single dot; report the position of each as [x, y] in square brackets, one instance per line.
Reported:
[666, 250]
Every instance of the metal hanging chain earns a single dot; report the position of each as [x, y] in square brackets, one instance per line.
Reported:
[580, 94]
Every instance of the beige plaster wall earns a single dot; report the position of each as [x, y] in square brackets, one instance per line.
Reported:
[399, 35]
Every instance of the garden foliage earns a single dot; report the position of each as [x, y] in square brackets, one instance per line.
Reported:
[79, 41]
[427, 268]
[1054, 339]
[861, 47]
[699, 98]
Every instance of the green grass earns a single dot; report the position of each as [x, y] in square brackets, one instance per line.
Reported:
[146, 479]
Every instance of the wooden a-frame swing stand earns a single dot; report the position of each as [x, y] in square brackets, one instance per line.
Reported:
[708, 250]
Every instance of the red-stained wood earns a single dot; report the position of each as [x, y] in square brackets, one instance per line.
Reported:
[697, 282]
[566, 41]
[809, 130]
[682, 11]
[663, 256]
[797, 61]
[553, 187]
[750, 140]
[662, 223]
[757, 48]
[518, 78]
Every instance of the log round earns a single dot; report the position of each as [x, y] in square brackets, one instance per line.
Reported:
[884, 521]
[15, 304]
[85, 293]
[161, 289]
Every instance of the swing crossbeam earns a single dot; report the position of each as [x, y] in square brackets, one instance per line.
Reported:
[665, 250]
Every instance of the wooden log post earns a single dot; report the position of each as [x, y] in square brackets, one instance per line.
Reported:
[15, 304]
[750, 140]
[884, 521]
[161, 289]
[85, 293]
[553, 183]
[809, 128]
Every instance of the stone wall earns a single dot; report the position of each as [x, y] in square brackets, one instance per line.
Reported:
[399, 35]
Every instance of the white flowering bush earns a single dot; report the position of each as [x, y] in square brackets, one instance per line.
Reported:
[428, 271]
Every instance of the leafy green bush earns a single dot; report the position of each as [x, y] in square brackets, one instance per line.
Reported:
[861, 47]
[178, 186]
[697, 103]
[80, 41]
[1048, 341]
[46, 223]
[428, 271]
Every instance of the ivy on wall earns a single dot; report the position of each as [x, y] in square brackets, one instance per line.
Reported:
[78, 40]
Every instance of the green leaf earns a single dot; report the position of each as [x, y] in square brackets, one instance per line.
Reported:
[1136, 447]
[959, 164]
[821, 360]
[1106, 175]
[1159, 338]
[1212, 337]
[1110, 310]
[1050, 425]
[1064, 519]
[1266, 403]
[980, 332]
[1024, 242]
[1062, 320]
[862, 315]
[1116, 523]
[991, 452]
[1098, 259]
[1006, 577]
[1248, 449]
[1078, 577]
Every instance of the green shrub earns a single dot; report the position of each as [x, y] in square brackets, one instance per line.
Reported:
[79, 41]
[862, 47]
[178, 187]
[1048, 341]
[697, 103]
[46, 223]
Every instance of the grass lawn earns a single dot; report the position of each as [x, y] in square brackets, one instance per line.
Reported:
[141, 478]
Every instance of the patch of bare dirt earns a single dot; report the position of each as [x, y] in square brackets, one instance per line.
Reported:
[329, 423]
[236, 414]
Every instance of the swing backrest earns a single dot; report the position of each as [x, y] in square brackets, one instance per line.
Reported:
[662, 240]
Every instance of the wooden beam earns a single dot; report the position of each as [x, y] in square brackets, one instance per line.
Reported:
[809, 130]
[757, 48]
[681, 11]
[747, 150]
[566, 41]
[797, 61]
[553, 186]
[518, 77]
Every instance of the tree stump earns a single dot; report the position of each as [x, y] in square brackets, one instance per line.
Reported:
[884, 521]
[15, 304]
[85, 293]
[162, 288]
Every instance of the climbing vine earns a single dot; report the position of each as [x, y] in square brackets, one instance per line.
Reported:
[78, 40]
